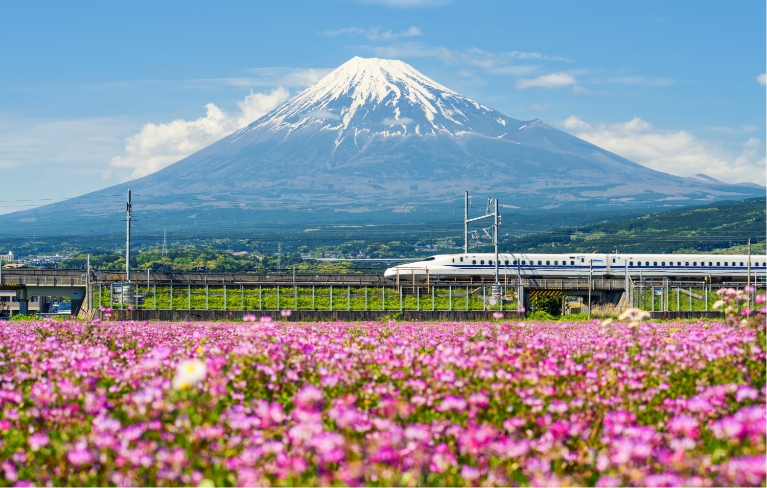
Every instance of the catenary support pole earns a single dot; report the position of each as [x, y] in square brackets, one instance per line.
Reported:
[128, 217]
[465, 222]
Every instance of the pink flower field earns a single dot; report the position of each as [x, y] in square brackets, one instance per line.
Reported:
[273, 403]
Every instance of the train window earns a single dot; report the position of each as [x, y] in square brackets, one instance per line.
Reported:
[461, 259]
[548, 263]
[613, 260]
[686, 263]
[741, 264]
[572, 263]
[718, 264]
[664, 263]
[524, 262]
[655, 263]
[556, 262]
[473, 261]
[514, 262]
[429, 259]
[581, 259]
[490, 262]
[482, 262]
[710, 263]
[506, 262]
[725, 263]
[539, 263]
[631, 263]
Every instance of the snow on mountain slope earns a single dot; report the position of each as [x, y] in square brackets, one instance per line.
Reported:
[381, 96]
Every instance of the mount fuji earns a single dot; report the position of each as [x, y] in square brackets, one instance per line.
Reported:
[377, 140]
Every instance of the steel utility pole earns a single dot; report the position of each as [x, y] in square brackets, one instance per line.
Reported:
[466, 222]
[128, 216]
[496, 292]
[591, 281]
[497, 284]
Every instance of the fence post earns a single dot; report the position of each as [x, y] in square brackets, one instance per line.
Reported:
[278, 297]
[400, 298]
[450, 297]
[295, 296]
[432, 298]
[467, 298]
[348, 298]
[331, 298]
[188, 294]
[242, 296]
[207, 295]
[154, 299]
[418, 298]
[366, 298]
[171, 293]
[260, 298]
[312, 297]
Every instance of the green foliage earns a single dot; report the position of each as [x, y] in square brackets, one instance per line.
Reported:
[551, 306]
[22, 317]
[721, 227]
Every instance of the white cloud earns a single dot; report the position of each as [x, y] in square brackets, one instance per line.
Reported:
[159, 145]
[324, 114]
[553, 80]
[762, 79]
[400, 121]
[675, 152]
[375, 33]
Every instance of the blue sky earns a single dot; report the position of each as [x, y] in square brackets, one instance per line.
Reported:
[94, 93]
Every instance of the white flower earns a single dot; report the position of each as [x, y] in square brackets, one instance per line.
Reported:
[634, 315]
[718, 304]
[189, 373]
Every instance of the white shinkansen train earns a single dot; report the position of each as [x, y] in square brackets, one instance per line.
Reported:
[717, 267]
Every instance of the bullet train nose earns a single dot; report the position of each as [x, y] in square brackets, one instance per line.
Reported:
[390, 273]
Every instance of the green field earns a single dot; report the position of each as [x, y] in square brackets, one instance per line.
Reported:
[390, 298]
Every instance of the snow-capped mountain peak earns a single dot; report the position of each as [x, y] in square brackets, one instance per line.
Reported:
[381, 96]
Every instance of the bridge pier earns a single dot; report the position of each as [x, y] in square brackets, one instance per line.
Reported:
[23, 298]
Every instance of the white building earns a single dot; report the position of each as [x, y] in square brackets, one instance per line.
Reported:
[7, 257]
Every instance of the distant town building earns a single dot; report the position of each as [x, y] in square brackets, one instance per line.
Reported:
[7, 257]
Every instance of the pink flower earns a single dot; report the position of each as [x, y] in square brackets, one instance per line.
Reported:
[685, 425]
[728, 428]
[37, 441]
[79, 457]
[309, 397]
[248, 317]
[470, 473]
[497, 315]
[451, 402]
[266, 319]
[746, 392]
[286, 313]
